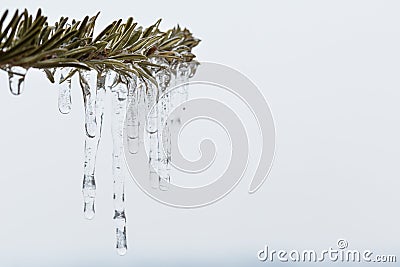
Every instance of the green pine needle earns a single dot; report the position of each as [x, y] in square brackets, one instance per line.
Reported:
[30, 42]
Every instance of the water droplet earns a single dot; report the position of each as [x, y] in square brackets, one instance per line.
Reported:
[16, 79]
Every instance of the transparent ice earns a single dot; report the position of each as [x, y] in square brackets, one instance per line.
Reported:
[163, 79]
[145, 106]
[64, 95]
[91, 146]
[119, 106]
[152, 131]
[132, 117]
[88, 83]
[16, 79]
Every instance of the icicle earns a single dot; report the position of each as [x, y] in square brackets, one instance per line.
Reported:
[179, 95]
[173, 94]
[88, 84]
[141, 89]
[153, 161]
[163, 78]
[152, 109]
[193, 68]
[120, 222]
[164, 150]
[132, 117]
[111, 80]
[64, 96]
[152, 128]
[91, 146]
[16, 79]
[89, 184]
[183, 71]
[187, 71]
[101, 93]
[119, 103]
[183, 76]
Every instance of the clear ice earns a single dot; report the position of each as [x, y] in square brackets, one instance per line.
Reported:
[88, 83]
[132, 117]
[163, 79]
[145, 106]
[179, 95]
[64, 95]
[119, 106]
[16, 79]
[152, 131]
[91, 146]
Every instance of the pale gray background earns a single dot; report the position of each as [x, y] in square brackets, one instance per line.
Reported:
[330, 71]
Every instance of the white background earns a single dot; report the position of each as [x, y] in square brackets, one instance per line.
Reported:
[330, 72]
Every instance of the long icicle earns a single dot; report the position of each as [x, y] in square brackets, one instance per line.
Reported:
[164, 150]
[152, 131]
[181, 73]
[90, 89]
[141, 89]
[163, 79]
[132, 117]
[119, 105]
[179, 94]
[184, 73]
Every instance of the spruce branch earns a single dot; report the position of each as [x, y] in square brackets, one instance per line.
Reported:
[30, 42]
